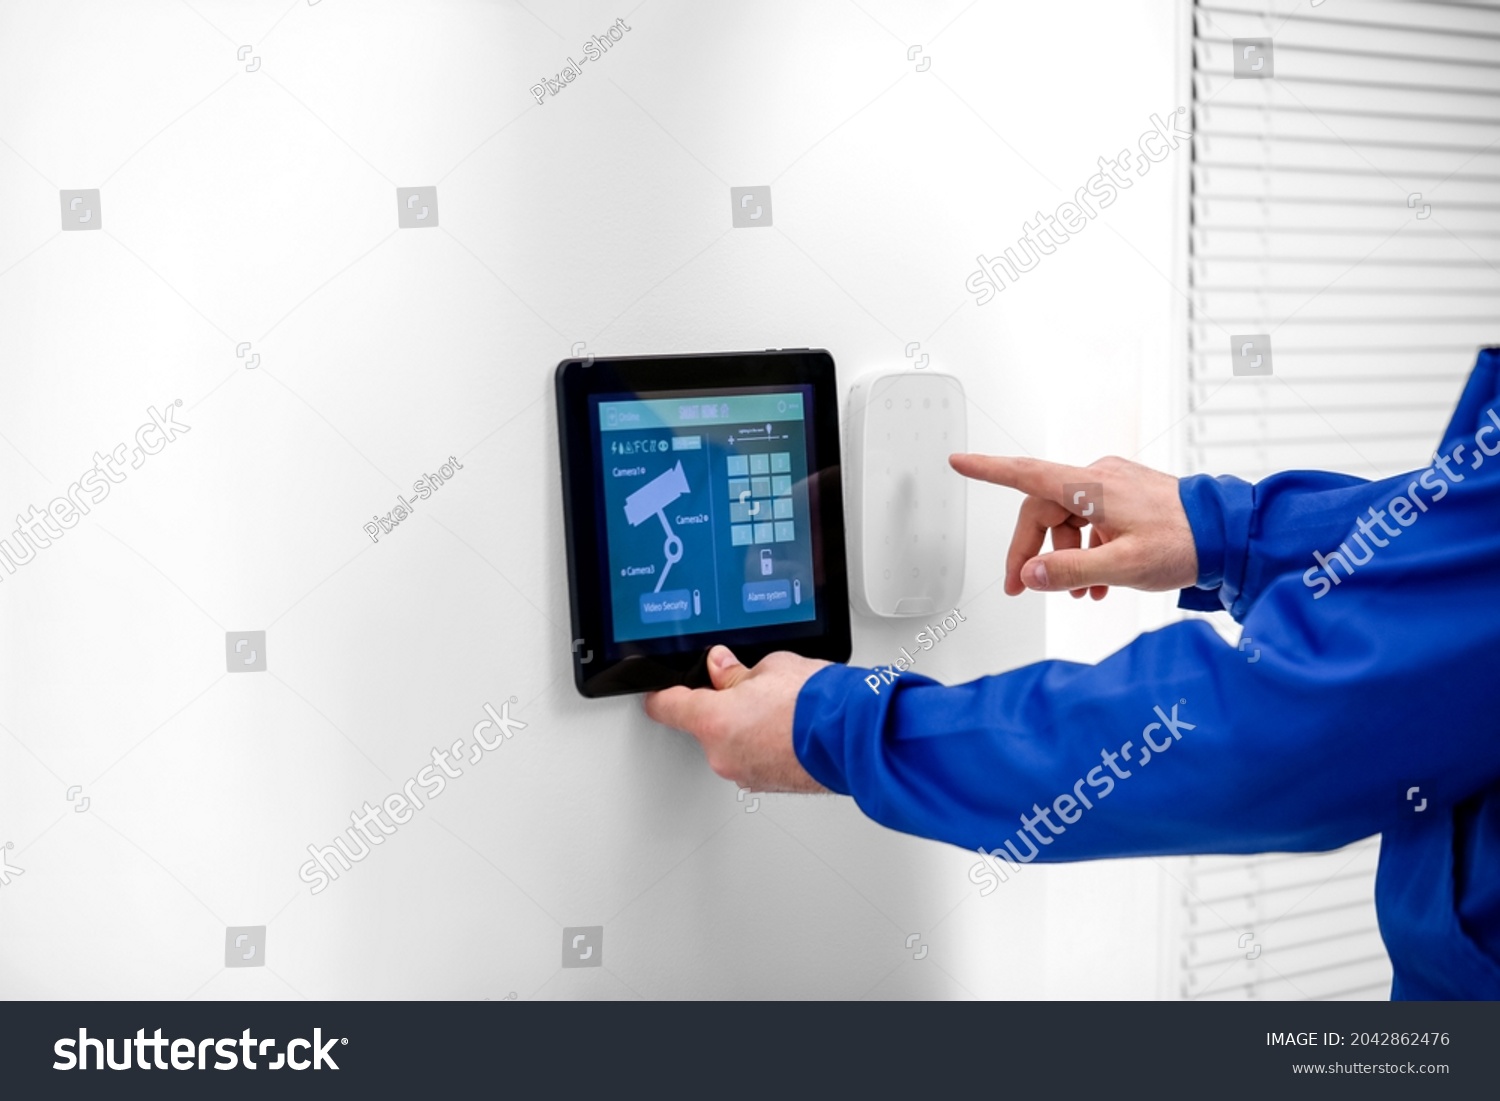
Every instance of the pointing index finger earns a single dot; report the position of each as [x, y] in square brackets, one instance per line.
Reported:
[1031, 476]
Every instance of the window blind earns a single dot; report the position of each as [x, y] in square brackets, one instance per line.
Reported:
[1348, 208]
[1282, 927]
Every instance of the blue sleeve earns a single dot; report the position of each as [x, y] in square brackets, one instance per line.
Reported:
[1358, 683]
[1249, 535]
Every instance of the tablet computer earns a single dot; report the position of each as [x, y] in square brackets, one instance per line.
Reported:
[702, 505]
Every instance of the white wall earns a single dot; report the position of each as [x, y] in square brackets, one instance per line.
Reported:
[258, 206]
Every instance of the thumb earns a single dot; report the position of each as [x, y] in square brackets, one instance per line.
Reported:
[1062, 570]
[724, 668]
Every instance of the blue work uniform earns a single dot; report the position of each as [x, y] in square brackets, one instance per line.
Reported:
[1371, 707]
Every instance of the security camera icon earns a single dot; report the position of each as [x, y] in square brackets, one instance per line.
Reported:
[653, 499]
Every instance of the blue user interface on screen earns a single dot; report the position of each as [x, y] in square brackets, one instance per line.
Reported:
[706, 511]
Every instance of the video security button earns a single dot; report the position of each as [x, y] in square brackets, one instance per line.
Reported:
[674, 604]
[767, 596]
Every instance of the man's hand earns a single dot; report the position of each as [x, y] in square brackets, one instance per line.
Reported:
[744, 722]
[1143, 539]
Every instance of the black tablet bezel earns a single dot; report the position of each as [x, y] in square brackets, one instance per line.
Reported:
[602, 667]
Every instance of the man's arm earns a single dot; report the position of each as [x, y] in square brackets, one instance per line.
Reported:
[1308, 738]
[1178, 743]
[1250, 535]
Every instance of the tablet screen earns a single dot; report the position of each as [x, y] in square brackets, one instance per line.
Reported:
[702, 505]
[705, 510]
